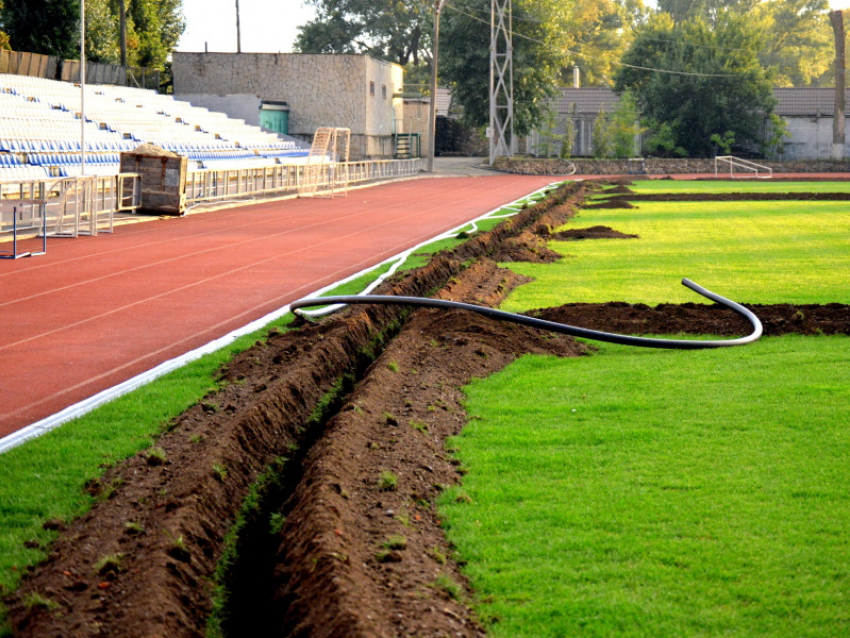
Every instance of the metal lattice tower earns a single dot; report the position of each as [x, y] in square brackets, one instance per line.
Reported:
[501, 80]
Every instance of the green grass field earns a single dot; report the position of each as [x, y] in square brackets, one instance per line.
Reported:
[669, 494]
[753, 252]
[657, 186]
[661, 493]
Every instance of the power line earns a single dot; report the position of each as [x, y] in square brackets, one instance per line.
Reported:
[585, 55]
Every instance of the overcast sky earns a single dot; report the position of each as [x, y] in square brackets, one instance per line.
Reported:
[267, 26]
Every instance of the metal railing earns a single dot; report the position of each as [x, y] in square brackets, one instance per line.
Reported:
[212, 185]
[66, 206]
[743, 164]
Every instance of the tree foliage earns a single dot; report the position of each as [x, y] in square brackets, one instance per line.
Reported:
[726, 88]
[51, 27]
[798, 44]
[389, 29]
[538, 58]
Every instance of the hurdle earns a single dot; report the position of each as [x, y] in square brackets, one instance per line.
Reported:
[19, 208]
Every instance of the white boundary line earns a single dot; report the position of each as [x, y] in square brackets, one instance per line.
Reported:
[105, 396]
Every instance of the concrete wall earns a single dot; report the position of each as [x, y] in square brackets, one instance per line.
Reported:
[811, 138]
[321, 90]
[240, 107]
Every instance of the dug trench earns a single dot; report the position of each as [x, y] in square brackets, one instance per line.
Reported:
[299, 499]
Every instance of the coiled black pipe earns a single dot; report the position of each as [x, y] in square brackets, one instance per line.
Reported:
[675, 344]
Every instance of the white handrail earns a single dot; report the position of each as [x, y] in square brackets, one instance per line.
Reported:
[742, 163]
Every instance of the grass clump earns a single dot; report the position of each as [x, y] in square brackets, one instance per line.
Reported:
[387, 481]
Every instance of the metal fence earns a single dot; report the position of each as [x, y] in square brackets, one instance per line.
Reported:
[67, 206]
[221, 185]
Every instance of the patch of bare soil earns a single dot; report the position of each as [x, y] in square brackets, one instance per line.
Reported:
[323, 420]
[694, 318]
[594, 232]
[614, 202]
[526, 247]
[723, 197]
[618, 190]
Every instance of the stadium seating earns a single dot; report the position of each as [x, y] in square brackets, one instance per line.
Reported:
[41, 129]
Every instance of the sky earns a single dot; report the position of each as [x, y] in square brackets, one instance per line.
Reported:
[267, 26]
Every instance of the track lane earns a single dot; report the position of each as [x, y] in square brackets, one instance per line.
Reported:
[97, 311]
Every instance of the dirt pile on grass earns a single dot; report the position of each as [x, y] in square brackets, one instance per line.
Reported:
[693, 318]
[594, 232]
[526, 247]
[722, 197]
[143, 561]
[612, 203]
[618, 190]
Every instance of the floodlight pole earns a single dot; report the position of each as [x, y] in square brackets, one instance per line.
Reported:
[238, 30]
[82, 87]
[432, 117]
[501, 130]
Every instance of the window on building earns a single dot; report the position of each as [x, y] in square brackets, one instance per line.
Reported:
[371, 88]
[384, 91]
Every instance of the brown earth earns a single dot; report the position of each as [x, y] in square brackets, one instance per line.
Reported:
[724, 197]
[343, 426]
[614, 202]
[594, 232]
[694, 318]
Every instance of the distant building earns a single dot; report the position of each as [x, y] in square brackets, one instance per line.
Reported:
[809, 113]
[296, 93]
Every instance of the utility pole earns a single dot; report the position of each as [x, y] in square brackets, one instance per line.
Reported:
[432, 117]
[501, 129]
[122, 24]
[838, 118]
[238, 30]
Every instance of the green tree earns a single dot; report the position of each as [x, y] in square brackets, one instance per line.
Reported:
[719, 84]
[50, 27]
[4, 37]
[538, 57]
[799, 43]
[594, 35]
[389, 29]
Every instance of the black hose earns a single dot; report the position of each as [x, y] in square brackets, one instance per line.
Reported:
[676, 344]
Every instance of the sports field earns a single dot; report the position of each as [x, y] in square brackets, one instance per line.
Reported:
[291, 484]
[658, 493]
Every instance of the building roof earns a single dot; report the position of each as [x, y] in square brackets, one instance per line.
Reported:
[795, 102]
[588, 101]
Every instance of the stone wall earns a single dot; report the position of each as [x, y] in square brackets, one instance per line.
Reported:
[657, 166]
[352, 91]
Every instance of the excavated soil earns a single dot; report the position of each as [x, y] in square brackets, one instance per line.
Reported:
[341, 428]
[693, 318]
[594, 232]
[720, 197]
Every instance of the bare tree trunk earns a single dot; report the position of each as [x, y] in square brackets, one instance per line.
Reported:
[838, 126]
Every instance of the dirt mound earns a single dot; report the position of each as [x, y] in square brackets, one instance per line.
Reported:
[727, 197]
[611, 203]
[142, 561]
[594, 232]
[693, 318]
[526, 247]
[618, 190]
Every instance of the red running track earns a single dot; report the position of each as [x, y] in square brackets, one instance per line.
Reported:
[96, 311]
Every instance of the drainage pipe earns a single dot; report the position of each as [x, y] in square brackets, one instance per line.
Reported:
[562, 328]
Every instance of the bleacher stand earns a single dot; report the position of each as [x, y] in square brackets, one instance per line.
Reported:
[40, 131]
